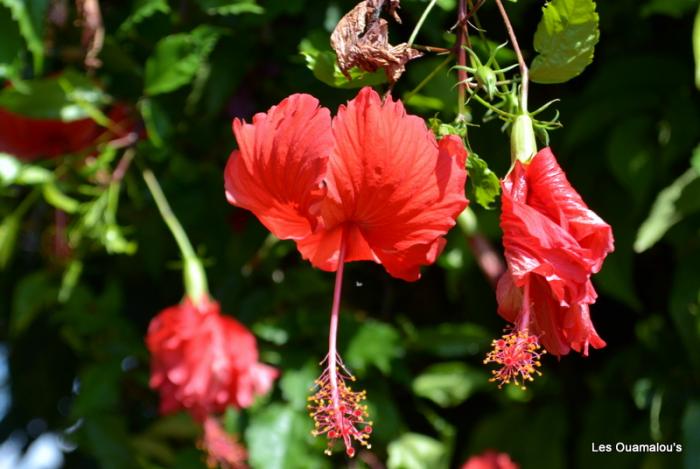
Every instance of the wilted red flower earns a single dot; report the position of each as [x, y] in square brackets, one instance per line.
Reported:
[490, 460]
[375, 178]
[553, 244]
[30, 138]
[202, 361]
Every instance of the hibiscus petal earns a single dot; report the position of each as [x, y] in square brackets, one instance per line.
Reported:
[279, 168]
[391, 187]
[551, 193]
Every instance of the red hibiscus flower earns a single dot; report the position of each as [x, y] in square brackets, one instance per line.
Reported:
[370, 184]
[30, 138]
[202, 361]
[553, 244]
[490, 460]
[373, 178]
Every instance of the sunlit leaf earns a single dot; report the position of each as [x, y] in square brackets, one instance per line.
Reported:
[277, 439]
[679, 199]
[30, 17]
[565, 39]
[416, 451]
[324, 64]
[67, 97]
[449, 384]
[483, 181]
[14, 171]
[178, 57]
[142, 10]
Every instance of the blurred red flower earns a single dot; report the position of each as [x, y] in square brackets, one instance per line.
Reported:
[222, 449]
[373, 178]
[30, 138]
[490, 460]
[553, 244]
[202, 361]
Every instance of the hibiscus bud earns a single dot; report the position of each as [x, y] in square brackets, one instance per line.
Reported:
[522, 140]
[486, 77]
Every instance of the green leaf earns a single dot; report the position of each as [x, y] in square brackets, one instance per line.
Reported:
[67, 97]
[10, 45]
[630, 155]
[672, 204]
[277, 439]
[296, 384]
[452, 340]
[484, 182]
[673, 8]
[565, 39]
[375, 343]
[449, 384]
[696, 47]
[9, 229]
[416, 451]
[33, 293]
[156, 120]
[324, 65]
[70, 279]
[178, 57]
[142, 10]
[230, 7]
[30, 16]
[13, 171]
[691, 434]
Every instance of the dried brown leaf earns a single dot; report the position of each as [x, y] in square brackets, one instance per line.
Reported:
[361, 38]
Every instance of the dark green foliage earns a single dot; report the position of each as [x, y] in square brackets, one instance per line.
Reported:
[73, 324]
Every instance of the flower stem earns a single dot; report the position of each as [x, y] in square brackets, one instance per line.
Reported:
[524, 73]
[195, 278]
[422, 19]
[333, 332]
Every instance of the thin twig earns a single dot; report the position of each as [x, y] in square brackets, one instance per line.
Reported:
[123, 165]
[461, 54]
[419, 25]
[521, 61]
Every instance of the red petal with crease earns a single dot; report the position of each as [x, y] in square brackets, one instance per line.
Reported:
[391, 187]
[278, 171]
[553, 244]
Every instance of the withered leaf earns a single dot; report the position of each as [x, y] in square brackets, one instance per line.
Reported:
[361, 38]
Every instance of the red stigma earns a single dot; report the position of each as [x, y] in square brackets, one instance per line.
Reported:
[342, 418]
[519, 354]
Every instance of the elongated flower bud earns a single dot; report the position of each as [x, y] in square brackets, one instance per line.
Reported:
[522, 140]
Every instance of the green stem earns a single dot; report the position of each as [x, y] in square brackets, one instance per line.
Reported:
[425, 80]
[491, 106]
[422, 19]
[193, 272]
